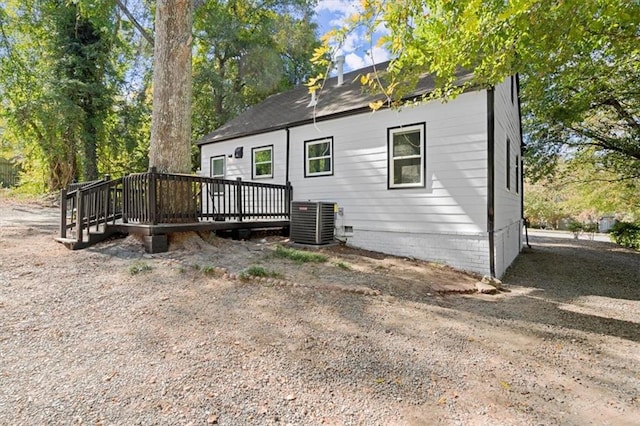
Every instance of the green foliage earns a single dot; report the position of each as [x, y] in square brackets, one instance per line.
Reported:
[626, 234]
[579, 62]
[343, 266]
[67, 113]
[245, 51]
[258, 271]
[139, 267]
[299, 256]
[582, 191]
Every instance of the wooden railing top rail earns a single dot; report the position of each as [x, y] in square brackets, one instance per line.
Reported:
[204, 179]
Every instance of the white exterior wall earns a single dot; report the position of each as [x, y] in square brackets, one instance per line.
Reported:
[445, 221]
[508, 214]
[241, 167]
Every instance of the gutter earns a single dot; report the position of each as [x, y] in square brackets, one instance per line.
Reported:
[491, 178]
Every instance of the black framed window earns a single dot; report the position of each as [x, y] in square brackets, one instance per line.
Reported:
[517, 174]
[406, 156]
[508, 164]
[217, 170]
[318, 157]
[262, 159]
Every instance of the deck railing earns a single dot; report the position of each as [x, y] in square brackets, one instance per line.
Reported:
[90, 207]
[154, 198]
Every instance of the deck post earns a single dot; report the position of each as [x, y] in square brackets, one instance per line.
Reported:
[239, 198]
[63, 213]
[79, 215]
[125, 198]
[151, 201]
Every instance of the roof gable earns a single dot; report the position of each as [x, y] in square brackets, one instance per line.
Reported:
[291, 108]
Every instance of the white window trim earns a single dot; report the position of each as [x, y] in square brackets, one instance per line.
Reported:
[307, 144]
[421, 127]
[254, 151]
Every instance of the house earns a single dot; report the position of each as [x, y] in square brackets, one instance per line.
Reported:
[441, 181]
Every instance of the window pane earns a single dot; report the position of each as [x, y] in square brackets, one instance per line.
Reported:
[217, 167]
[263, 169]
[407, 171]
[405, 144]
[320, 165]
[263, 156]
[319, 149]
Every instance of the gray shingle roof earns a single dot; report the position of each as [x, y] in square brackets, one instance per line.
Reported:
[290, 109]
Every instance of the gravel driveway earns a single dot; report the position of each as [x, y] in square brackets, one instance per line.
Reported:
[112, 336]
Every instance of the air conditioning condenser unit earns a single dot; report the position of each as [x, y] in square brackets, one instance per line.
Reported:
[312, 222]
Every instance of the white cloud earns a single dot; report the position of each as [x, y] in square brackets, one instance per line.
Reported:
[380, 54]
[352, 43]
[343, 7]
[354, 62]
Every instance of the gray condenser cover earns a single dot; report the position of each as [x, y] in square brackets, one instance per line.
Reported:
[312, 222]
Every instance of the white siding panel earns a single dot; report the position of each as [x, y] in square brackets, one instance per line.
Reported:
[508, 215]
[456, 178]
[445, 221]
[507, 123]
[242, 167]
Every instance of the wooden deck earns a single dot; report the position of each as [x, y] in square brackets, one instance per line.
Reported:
[157, 204]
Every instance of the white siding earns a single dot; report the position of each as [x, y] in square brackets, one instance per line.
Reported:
[241, 167]
[445, 221]
[508, 215]
[454, 199]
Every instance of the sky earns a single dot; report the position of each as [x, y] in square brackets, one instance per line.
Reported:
[356, 49]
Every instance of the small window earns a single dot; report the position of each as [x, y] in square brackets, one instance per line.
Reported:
[318, 157]
[217, 171]
[508, 164]
[517, 174]
[217, 167]
[406, 152]
[263, 162]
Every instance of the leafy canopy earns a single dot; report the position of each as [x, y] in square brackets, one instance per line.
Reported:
[579, 61]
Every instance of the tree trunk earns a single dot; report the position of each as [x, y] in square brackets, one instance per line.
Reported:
[170, 148]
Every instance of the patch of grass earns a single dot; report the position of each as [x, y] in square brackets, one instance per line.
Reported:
[299, 256]
[208, 270]
[342, 265]
[258, 271]
[139, 267]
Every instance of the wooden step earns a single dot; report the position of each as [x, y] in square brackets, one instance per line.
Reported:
[89, 239]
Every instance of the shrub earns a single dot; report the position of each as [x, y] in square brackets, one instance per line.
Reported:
[626, 234]
[299, 256]
[575, 227]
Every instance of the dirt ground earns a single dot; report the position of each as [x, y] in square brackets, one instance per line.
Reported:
[110, 335]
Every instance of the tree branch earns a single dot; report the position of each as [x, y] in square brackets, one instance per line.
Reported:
[143, 32]
[604, 143]
[612, 102]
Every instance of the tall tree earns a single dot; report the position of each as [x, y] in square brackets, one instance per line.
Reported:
[81, 55]
[58, 85]
[170, 149]
[580, 62]
[245, 51]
